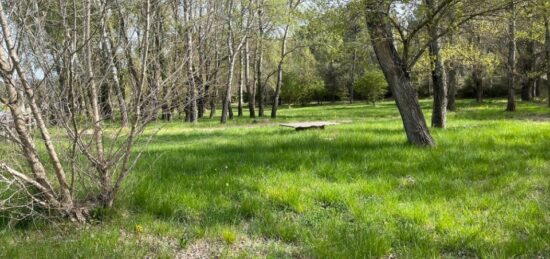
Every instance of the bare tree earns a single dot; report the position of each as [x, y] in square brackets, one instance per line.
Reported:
[107, 165]
[292, 6]
[233, 49]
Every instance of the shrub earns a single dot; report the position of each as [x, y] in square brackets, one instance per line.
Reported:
[372, 86]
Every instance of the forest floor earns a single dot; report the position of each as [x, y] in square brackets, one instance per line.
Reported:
[354, 190]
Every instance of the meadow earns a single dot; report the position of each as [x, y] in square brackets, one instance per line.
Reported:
[253, 189]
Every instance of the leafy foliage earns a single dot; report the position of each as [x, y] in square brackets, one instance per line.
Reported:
[372, 86]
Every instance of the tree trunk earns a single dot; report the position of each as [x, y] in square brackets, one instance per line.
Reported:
[241, 86]
[453, 86]
[203, 69]
[97, 120]
[547, 28]
[527, 90]
[213, 98]
[193, 112]
[529, 67]
[259, 60]
[105, 102]
[27, 142]
[214, 90]
[511, 107]
[250, 88]
[398, 78]
[352, 78]
[226, 102]
[439, 77]
[477, 77]
[280, 73]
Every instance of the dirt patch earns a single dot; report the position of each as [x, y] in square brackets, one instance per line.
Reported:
[244, 247]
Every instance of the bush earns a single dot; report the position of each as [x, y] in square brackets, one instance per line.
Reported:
[372, 86]
[301, 89]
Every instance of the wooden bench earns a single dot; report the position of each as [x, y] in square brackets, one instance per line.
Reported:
[308, 125]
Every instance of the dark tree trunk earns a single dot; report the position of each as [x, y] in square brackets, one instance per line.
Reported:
[213, 103]
[203, 69]
[230, 108]
[261, 89]
[201, 100]
[439, 77]
[527, 90]
[250, 88]
[241, 86]
[547, 27]
[537, 90]
[277, 93]
[104, 101]
[187, 109]
[528, 66]
[477, 77]
[453, 85]
[398, 78]
[511, 107]
[352, 83]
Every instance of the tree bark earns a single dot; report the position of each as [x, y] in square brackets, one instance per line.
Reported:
[529, 67]
[547, 28]
[193, 112]
[31, 153]
[439, 77]
[352, 77]
[259, 60]
[453, 86]
[241, 86]
[511, 106]
[395, 71]
[250, 88]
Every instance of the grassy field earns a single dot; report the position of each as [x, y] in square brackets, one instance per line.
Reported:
[355, 190]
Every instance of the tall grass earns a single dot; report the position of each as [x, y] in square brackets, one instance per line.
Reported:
[354, 190]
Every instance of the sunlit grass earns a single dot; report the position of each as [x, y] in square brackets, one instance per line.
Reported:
[351, 191]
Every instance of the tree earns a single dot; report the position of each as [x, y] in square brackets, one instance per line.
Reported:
[512, 59]
[439, 76]
[292, 6]
[104, 164]
[396, 72]
[234, 48]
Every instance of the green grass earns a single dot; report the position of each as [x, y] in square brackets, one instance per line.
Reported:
[354, 190]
